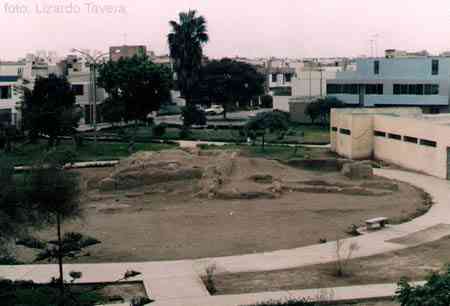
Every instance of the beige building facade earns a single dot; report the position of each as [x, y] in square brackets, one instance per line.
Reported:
[401, 136]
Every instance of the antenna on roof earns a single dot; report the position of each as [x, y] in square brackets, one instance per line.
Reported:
[125, 39]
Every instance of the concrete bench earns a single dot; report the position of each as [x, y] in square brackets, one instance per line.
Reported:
[376, 223]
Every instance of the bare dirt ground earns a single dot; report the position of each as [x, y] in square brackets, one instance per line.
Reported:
[176, 205]
[414, 263]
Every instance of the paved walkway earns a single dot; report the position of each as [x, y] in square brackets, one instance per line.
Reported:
[178, 282]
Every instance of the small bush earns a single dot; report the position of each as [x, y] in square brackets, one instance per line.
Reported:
[159, 130]
[434, 293]
[353, 230]
[210, 282]
[32, 243]
[184, 133]
[9, 260]
[192, 115]
[88, 241]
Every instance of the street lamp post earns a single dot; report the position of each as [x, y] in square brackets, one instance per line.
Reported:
[93, 62]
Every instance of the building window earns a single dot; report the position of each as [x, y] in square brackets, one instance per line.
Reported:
[428, 143]
[345, 131]
[376, 67]
[394, 136]
[379, 134]
[78, 89]
[435, 67]
[334, 129]
[334, 89]
[404, 89]
[5, 92]
[287, 77]
[410, 139]
[274, 77]
[434, 89]
[416, 89]
[374, 89]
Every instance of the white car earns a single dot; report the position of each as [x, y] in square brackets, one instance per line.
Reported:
[214, 110]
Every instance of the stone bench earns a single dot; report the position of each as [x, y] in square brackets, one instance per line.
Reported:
[376, 223]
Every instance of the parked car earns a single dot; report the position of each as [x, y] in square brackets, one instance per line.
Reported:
[214, 110]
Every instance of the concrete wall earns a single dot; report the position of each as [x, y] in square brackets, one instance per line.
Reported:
[297, 106]
[364, 144]
[362, 136]
[281, 103]
[430, 160]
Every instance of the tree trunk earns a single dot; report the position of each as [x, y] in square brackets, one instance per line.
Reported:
[224, 112]
[60, 259]
[263, 141]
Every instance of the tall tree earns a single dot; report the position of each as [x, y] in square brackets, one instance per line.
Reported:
[136, 87]
[186, 40]
[321, 108]
[55, 193]
[228, 82]
[50, 108]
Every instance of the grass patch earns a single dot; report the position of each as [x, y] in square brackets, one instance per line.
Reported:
[282, 153]
[296, 134]
[26, 154]
[271, 152]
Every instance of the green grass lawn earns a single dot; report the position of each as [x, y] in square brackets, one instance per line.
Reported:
[278, 152]
[296, 134]
[26, 154]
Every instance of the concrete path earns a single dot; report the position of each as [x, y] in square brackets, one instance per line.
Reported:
[178, 282]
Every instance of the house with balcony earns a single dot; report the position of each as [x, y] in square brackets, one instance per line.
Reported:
[78, 72]
[10, 81]
[399, 81]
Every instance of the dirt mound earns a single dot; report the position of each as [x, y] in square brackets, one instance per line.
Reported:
[229, 176]
[151, 168]
[358, 170]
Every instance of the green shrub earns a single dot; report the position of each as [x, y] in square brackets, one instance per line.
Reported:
[184, 133]
[32, 243]
[192, 115]
[267, 101]
[9, 260]
[159, 130]
[434, 293]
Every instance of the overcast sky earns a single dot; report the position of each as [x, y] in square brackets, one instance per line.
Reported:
[252, 28]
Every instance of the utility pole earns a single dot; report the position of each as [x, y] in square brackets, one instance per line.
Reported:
[93, 61]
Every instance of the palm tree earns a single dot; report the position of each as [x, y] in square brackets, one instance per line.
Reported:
[186, 42]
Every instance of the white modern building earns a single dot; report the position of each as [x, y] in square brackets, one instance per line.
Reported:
[403, 81]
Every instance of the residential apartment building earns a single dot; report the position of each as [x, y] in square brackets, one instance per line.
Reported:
[78, 72]
[404, 81]
[10, 81]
